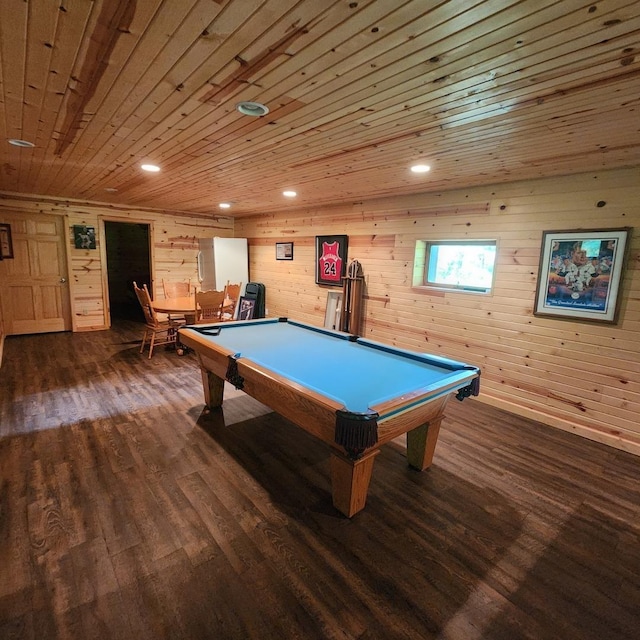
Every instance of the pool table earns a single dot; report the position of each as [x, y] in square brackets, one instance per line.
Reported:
[353, 394]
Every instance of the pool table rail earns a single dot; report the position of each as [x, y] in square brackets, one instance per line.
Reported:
[308, 409]
[456, 381]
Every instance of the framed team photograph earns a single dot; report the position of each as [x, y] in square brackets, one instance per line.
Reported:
[284, 250]
[6, 243]
[331, 259]
[580, 273]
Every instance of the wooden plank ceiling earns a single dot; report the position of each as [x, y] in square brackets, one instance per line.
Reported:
[358, 91]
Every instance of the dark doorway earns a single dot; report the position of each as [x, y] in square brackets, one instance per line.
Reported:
[128, 260]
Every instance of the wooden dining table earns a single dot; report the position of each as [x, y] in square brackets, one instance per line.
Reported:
[184, 306]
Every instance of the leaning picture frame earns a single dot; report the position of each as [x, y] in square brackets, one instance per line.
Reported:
[333, 312]
[246, 308]
[580, 274]
[331, 259]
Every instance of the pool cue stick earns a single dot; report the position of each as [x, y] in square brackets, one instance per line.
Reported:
[356, 297]
[356, 311]
[346, 306]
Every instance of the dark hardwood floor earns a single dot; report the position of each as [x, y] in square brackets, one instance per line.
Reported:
[129, 512]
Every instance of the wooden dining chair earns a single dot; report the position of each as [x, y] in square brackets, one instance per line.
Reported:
[209, 306]
[155, 331]
[231, 297]
[176, 290]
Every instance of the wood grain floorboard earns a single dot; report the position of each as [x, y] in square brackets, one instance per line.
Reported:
[129, 511]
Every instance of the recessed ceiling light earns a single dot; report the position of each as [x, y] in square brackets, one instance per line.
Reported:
[225, 205]
[289, 194]
[420, 168]
[150, 167]
[252, 109]
[21, 143]
[110, 189]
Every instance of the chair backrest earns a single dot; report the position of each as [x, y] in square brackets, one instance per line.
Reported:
[176, 289]
[209, 306]
[232, 291]
[144, 299]
[231, 297]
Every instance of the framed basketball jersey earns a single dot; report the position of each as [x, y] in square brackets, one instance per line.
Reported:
[331, 259]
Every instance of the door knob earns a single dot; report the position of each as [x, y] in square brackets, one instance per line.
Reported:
[63, 280]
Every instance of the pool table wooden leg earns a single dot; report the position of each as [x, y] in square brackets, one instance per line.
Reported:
[421, 444]
[350, 481]
[213, 388]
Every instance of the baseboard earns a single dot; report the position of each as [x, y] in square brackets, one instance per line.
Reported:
[617, 441]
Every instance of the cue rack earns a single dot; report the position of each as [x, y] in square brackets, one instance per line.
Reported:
[352, 297]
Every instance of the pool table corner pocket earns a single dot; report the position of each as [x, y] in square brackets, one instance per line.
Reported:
[355, 431]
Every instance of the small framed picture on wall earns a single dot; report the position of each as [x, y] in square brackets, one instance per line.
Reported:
[84, 237]
[6, 243]
[284, 250]
[331, 259]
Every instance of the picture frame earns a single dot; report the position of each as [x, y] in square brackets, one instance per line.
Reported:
[331, 259]
[84, 237]
[246, 308]
[284, 250]
[6, 242]
[580, 273]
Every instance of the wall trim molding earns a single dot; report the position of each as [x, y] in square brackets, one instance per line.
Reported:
[615, 440]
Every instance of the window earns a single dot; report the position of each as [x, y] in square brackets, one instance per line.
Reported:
[455, 264]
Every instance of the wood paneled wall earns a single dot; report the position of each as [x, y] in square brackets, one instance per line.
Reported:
[173, 251]
[582, 377]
